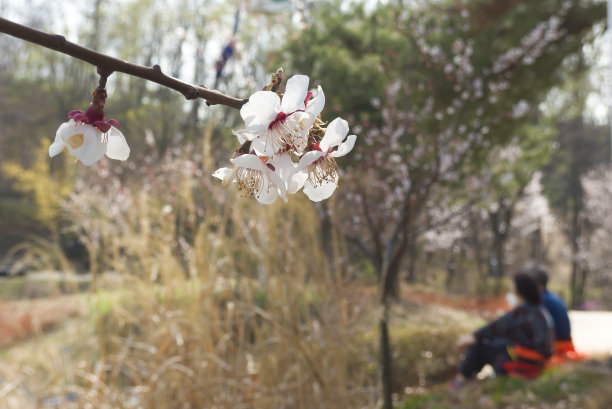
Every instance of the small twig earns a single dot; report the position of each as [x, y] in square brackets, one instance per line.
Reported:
[106, 65]
[103, 77]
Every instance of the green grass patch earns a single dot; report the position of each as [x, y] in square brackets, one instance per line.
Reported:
[577, 385]
[12, 288]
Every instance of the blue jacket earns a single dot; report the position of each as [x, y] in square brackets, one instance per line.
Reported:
[558, 311]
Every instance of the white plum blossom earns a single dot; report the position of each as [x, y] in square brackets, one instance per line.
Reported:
[264, 178]
[275, 124]
[278, 129]
[88, 136]
[89, 144]
[317, 171]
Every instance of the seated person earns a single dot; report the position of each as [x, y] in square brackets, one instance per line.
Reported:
[563, 345]
[518, 343]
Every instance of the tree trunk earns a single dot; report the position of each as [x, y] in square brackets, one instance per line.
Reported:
[391, 282]
[500, 225]
[385, 358]
[388, 290]
[537, 251]
[575, 297]
[411, 277]
[451, 268]
[483, 279]
[575, 233]
[500, 256]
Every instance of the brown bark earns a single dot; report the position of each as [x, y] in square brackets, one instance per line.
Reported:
[385, 358]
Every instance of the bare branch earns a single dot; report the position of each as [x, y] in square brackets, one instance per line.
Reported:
[107, 64]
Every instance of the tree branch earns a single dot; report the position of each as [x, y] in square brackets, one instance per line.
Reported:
[107, 64]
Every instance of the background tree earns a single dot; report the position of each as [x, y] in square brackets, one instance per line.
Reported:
[430, 89]
[444, 86]
[581, 147]
[594, 248]
[498, 188]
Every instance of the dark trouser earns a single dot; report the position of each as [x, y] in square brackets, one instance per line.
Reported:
[480, 354]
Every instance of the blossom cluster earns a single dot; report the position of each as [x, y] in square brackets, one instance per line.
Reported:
[280, 128]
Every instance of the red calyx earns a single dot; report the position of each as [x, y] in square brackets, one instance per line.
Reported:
[95, 113]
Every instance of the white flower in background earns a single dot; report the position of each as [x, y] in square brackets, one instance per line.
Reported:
[89, 144]
[317, 171]
[263, 178]
[275, 124]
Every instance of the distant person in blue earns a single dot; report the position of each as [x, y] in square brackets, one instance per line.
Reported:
[555, 306]
[563, 344]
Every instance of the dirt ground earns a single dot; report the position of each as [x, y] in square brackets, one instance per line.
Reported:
[21, 319]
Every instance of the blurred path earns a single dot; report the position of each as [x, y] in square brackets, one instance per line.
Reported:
[592, 332]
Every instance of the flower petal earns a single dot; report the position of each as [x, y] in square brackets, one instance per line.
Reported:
[250, 133]
[296, 181]
[268, 193]
[78, 137]
[315, 105]
[334, 134]
[307, 159]
[56, 147]
[295, 94]
[345, 147]
[83, 141]
[262, 146]
[300, 173]
[95, 152]
[222, 173]
[261, 109]
[319, 192]
[117, 147]
[279, 183]
[249, 161]
[58, 144]
[283, 166]
[302, 122]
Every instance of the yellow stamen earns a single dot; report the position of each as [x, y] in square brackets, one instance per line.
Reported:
[290, 132]
[76, 140]
[250, 181]
[323, 170]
